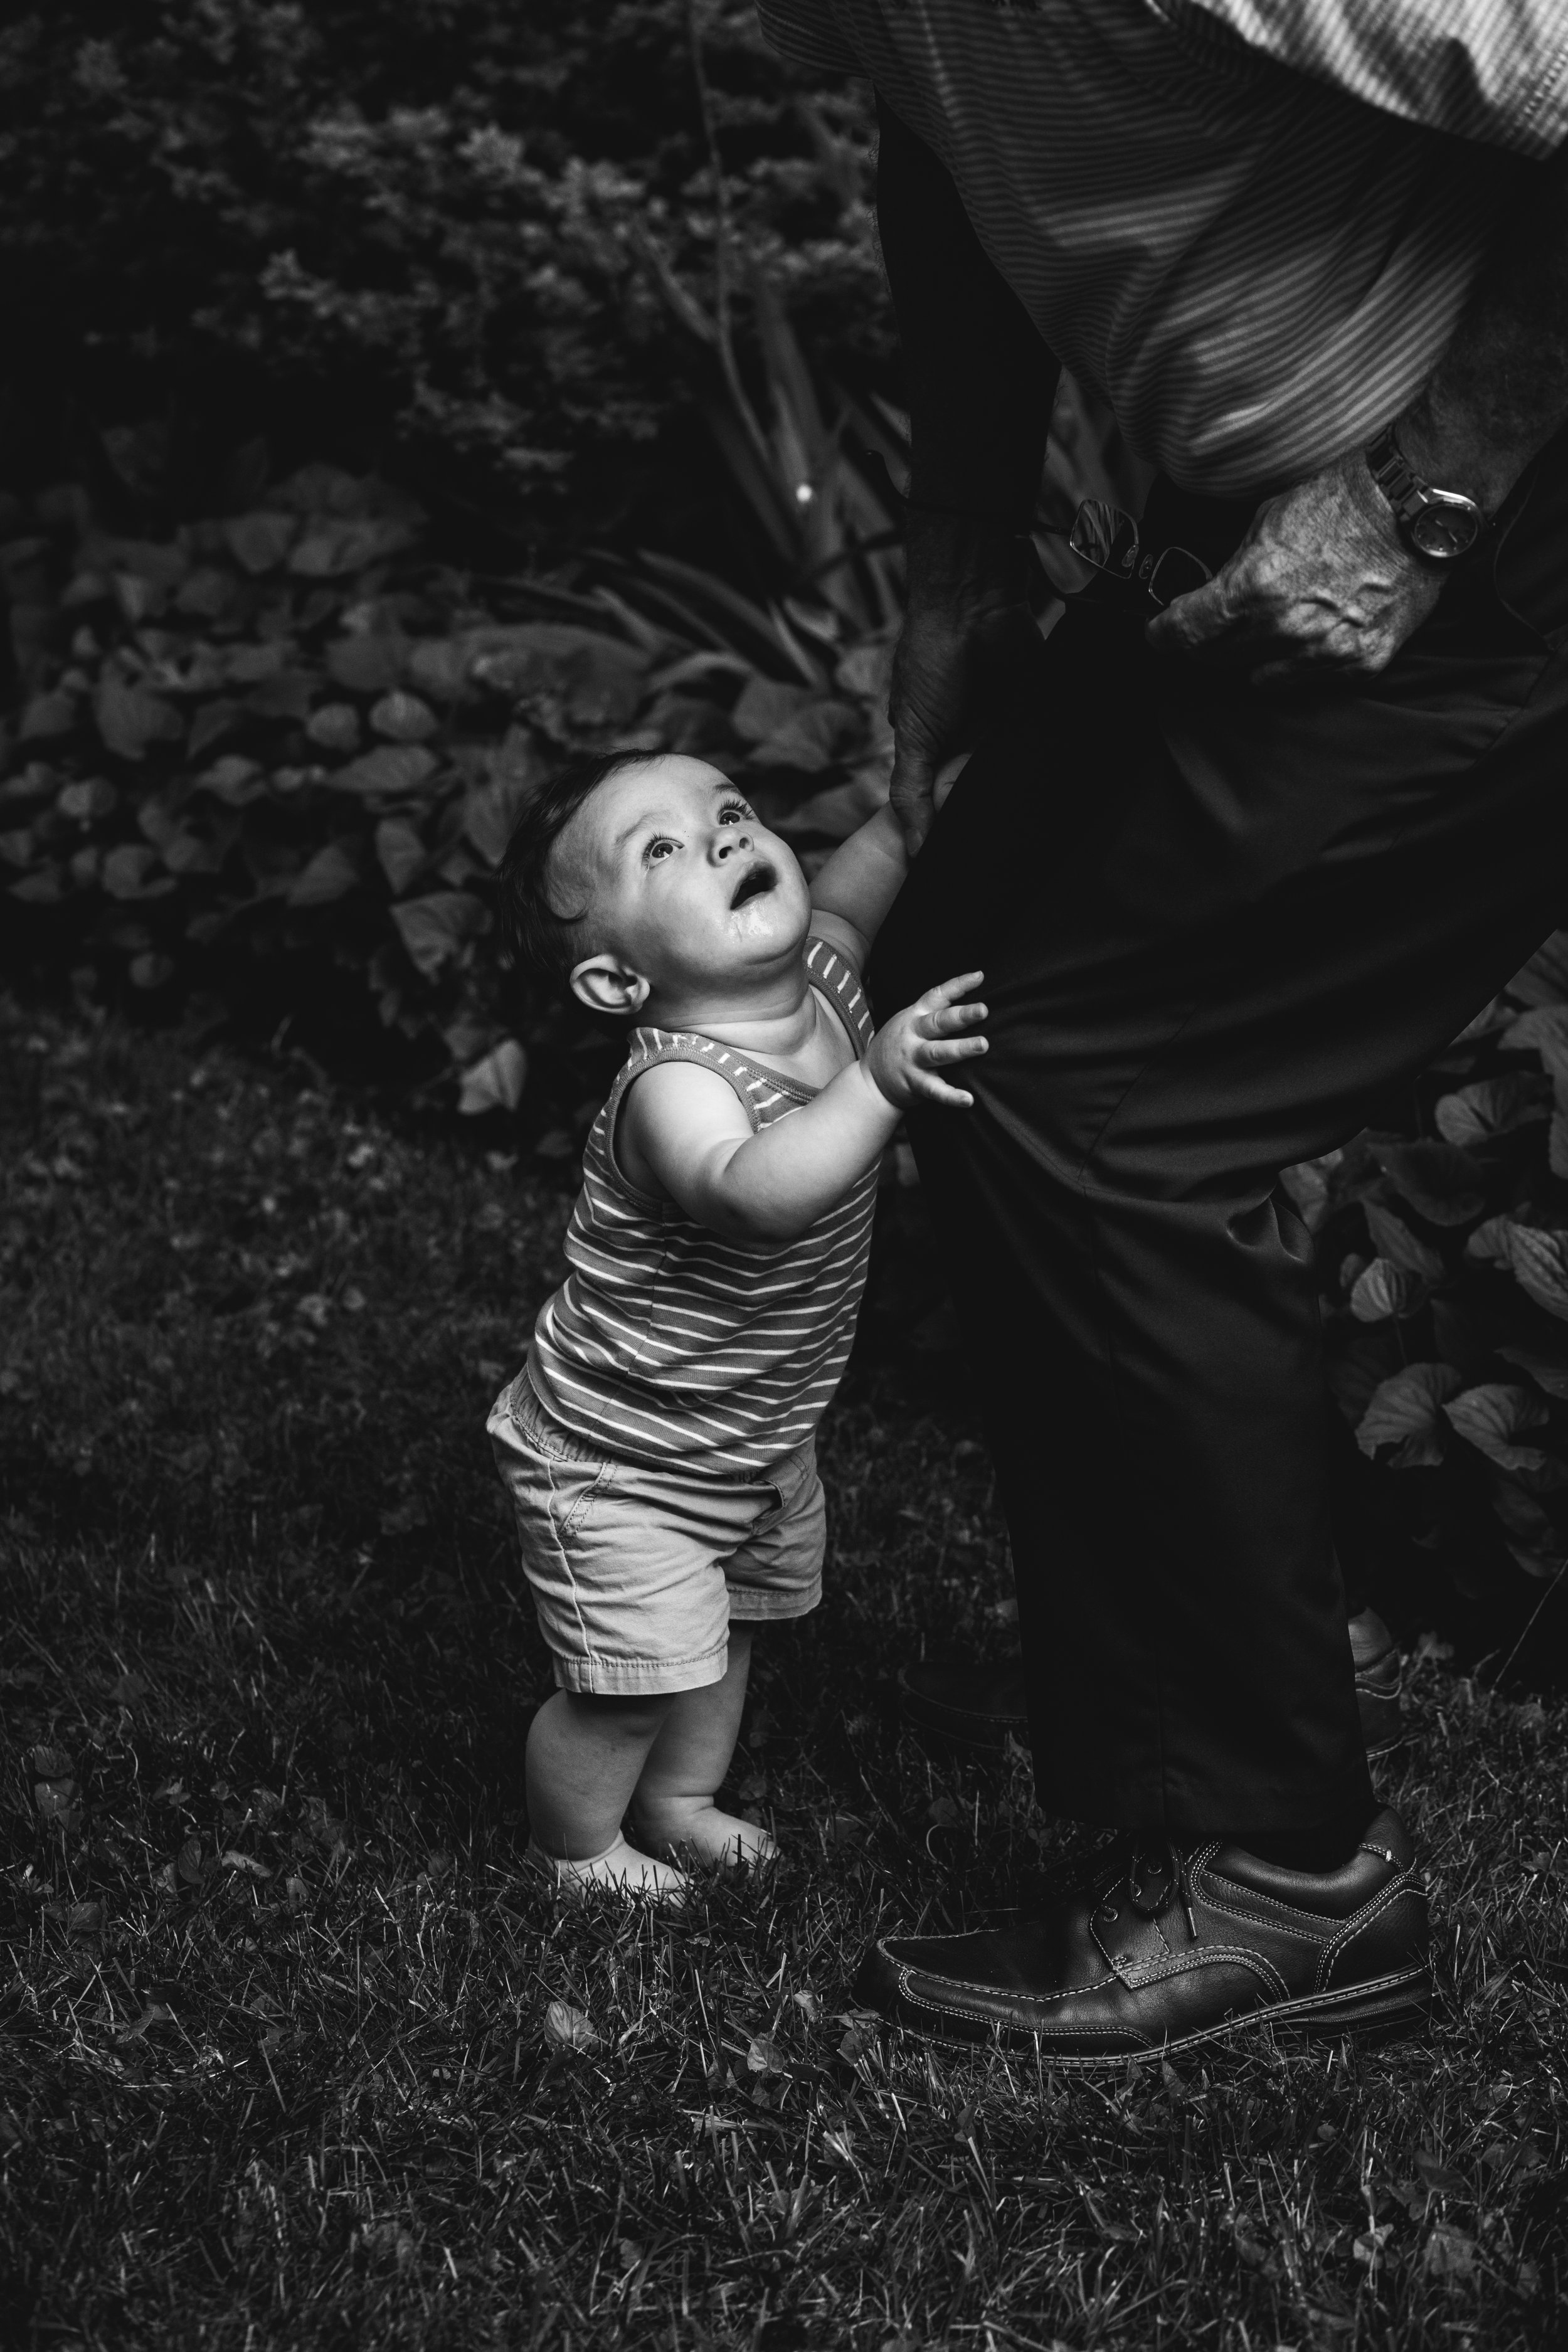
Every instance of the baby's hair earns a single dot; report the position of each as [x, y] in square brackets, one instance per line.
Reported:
[539, 935]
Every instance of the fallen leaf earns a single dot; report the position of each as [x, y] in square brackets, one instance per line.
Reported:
[566, 2028]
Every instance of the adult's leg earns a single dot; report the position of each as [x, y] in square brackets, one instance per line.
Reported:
[1216, 926]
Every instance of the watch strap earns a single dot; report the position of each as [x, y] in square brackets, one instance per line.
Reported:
[1439, 525]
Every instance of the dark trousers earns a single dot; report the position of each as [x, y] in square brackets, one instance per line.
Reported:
[1217, 926]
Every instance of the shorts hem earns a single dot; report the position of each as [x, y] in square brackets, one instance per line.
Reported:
[751, 1606]
[640, 1677]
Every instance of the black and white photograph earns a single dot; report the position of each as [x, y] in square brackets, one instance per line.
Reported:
[784, 1176]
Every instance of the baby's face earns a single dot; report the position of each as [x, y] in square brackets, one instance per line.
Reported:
[685, 886]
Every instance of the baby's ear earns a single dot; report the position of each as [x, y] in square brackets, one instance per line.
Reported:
[604, 984]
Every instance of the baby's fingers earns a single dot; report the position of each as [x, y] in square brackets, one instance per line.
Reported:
[933, 1050]
[947, 1019]
[931, 1088]
[937, 999]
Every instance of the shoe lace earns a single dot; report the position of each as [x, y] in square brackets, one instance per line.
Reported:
[1154, 1873]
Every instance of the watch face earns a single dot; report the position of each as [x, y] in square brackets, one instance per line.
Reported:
[1447, 528]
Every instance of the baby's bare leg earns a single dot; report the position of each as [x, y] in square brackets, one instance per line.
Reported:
[672, 1808]
[584, 1755]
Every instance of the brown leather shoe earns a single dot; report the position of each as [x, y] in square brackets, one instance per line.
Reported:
[1156, 1949]
[971, 1706]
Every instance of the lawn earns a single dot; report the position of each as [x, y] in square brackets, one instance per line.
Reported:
[295, 2056]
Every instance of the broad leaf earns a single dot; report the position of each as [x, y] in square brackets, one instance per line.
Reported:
[260, 541]
[334, 726]
[1307, 1185]
[1493, 1415]
[212, 722]
[439, 665]
[436, 928]
[46, 715]
[1386, 1289]
[289, 695]
[1442, 1184]
[1405, 1413]
[496, 1083]
[129, 719]
[1392, 1238]
[329, 548]
[490, 813]
[1489, 1245]
[234, 781]
[1543, 1031]
[1544, 979]
[765, 705]
[367, 665]
[566, 2028]
[400, 851]
[391, 767]
[126, 870]
[1528, 1531]
[1540, 1262]
[404, 718]
[329, 874]
[1489, 1106]
[1549, 1373]
[811, 740]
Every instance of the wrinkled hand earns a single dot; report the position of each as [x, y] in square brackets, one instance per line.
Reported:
[967, 630]
[908, 1052]
[1322, 587]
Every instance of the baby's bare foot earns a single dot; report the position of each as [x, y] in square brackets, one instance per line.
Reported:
[620, 1867]
[700, 1833]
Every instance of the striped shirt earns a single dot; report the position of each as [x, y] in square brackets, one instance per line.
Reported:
[668, 1343]
[1251, 225]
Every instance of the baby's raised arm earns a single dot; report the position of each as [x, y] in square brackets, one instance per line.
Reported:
[683, 1126]
[860, 882]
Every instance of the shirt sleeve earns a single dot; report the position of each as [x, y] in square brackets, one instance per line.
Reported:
[1492, 71]
[806, 33]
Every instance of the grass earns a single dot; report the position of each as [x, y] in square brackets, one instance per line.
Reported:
[293, 2057]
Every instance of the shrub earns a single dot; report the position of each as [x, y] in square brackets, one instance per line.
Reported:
[488, 236]
[274, 761]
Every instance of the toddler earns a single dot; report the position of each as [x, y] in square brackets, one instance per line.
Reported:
[659, 1446]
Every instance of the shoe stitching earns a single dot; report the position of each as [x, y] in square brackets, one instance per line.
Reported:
[1304, 2006]
[1178, 1964]
[1208, 1954]
[1011, 2025]
[1283, 1914]
[908, 1968]
[1404, 1884]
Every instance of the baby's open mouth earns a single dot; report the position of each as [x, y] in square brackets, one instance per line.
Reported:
[752, 885]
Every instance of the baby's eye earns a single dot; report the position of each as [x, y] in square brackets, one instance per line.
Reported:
[659, 849]
[734, 813]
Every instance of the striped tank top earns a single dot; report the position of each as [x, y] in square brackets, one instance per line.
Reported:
[668, 1344]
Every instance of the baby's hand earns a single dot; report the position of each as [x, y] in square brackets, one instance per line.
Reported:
[908, 1050]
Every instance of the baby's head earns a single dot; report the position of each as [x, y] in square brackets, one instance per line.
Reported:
[644, 881]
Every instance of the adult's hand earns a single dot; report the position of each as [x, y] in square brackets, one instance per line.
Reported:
[967, 633]
[1322, 587]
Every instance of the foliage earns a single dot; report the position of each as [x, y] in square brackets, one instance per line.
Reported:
[519, 245]
[297, 2057]
[274, 759]
[1443, 1255]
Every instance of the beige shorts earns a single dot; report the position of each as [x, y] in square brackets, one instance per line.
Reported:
[636, 1574]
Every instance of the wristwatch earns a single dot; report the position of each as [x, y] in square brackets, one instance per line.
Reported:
[1440, 525]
